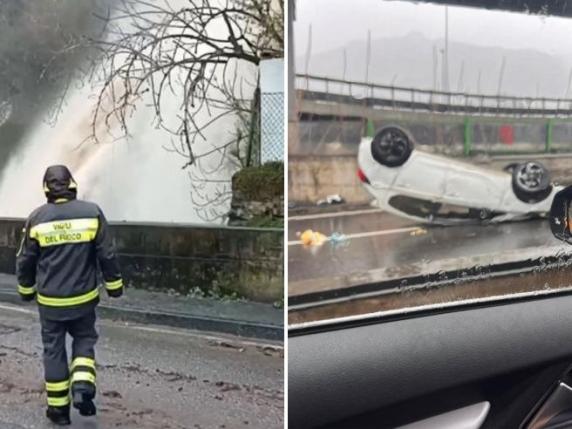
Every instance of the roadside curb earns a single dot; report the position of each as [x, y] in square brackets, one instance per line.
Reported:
[252, 330]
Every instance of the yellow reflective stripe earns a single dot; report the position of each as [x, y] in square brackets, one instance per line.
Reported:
[117, 284]
[68, 302]
[83, 376]
[83, 361]
[57, 387]
[58, 402]
[26, 290]
[65, 231]
[63, 225]
[61, 200]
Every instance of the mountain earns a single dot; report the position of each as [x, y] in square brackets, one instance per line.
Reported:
[409, 61]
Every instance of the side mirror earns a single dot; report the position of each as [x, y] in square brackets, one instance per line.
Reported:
[560, 222]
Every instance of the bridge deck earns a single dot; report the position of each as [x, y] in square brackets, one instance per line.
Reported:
[543, 7]
[324, 90]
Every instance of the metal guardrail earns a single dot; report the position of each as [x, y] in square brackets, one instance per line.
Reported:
[325, 89]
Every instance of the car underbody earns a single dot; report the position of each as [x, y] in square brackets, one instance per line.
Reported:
[440, 213]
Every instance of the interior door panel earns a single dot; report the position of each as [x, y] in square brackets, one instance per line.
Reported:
[397, 372]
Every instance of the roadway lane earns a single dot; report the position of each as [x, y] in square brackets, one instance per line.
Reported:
[380, 240]
[347, 222]
[148, 378]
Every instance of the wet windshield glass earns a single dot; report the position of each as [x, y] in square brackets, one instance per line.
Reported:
[423, 160]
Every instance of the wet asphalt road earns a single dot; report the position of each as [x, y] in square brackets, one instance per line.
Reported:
[148, 377]
[381, 240]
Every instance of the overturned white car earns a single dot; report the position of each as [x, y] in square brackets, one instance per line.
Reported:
[435, 189]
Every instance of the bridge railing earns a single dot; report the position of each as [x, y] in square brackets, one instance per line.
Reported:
[402, 98]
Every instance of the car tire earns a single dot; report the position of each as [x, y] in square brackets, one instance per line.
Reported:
[531, 182]
[480, 214]
[391, 146]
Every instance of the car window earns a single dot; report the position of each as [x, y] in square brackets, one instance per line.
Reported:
[429, 145]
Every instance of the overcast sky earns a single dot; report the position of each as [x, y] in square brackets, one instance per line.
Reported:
[336, 22]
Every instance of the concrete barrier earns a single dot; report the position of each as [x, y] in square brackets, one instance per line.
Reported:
[183, 258]
[311, 178]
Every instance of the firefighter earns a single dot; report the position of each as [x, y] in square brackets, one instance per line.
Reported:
[64, 242]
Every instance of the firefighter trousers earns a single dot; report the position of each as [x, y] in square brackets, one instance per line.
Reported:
[61, 376]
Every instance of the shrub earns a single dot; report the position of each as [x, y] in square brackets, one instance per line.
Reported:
[260, 183]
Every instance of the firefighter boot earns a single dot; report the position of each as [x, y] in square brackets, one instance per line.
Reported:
[83, 394]
[59, 415]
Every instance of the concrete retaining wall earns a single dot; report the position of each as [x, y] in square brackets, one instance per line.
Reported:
[184, 257]
[311, 178]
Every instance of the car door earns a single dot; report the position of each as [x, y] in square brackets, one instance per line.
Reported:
[489, 365]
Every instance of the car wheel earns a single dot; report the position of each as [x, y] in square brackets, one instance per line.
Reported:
[531, 182]
[391, 147]
[480, 214]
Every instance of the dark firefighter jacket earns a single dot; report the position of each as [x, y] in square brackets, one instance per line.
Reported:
[64, 242]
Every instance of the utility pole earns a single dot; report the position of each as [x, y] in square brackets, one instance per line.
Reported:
[445, 83]
[345, 68]
[461, 80]
[308, 50]
[367, 56]
[293, 126]
[435, 67]
[567, 93]
[501, 75]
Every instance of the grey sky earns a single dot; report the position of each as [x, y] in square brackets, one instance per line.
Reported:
[336, 22]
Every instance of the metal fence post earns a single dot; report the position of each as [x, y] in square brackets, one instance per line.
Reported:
[467, 137]
[549, 127]
[369, 129]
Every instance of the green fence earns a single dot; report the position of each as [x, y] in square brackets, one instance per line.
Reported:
[473, 136]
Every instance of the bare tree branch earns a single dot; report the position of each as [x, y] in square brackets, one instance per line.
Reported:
[193, 54]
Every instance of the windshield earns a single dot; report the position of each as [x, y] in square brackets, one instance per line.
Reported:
[425, 160]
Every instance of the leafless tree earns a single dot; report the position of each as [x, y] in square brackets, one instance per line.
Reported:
[196, 52]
